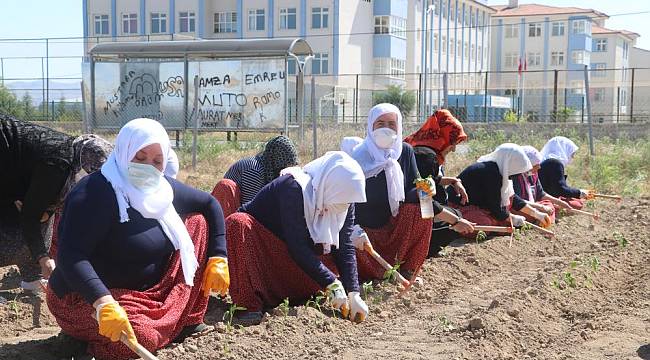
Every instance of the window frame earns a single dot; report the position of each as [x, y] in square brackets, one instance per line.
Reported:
[320, 59]
[322, 13]
[558, 29]
[225, 23]
[190, 21]
[601, 45]
[511, 31]
[534, 30]
[130, 21]
[556, 56]
[99, 19]
[254, 16]
[284, 22]
[161, 18]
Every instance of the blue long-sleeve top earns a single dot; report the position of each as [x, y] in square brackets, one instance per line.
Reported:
[375, 212]
[551, 175]
[482, 181]
[279, 207]
[97, 253]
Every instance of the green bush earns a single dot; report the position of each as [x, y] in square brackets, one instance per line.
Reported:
[396, 95]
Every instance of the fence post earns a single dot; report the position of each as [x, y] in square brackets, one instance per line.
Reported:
[445, 88]
[2, 70]
[43, 107]
[632, 98]
[591, 133]
[485, 98]
[186, 90]
[618, 104]
[195, 132]
[356, 99]
[419, 97]
[465, 105]
[313, 119]
[91, 121]
[47, 75]
[555, 72]
[582, 109]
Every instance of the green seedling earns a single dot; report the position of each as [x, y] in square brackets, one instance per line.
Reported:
[594, 263]
[556, 284]
[481, 236]
[563, 212]
[316, 301]
[569, 279]
[391, 274]
[230, 314]
[445, 323]
[622, 241]
[284, 306]
[574, 264]
[368, 288]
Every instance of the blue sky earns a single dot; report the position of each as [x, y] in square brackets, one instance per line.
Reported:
[62, 18]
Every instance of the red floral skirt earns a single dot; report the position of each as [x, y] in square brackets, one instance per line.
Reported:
[227, 193]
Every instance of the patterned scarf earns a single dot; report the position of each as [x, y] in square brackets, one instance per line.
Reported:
[279, 153]
[440, 131]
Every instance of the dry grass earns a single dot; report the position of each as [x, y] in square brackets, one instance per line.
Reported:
[620, 166]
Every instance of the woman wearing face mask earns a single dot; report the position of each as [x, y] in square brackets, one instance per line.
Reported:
[247, 177]
[489, 188]
[119, 270]
[529, 191]
[396, 230]
[276, 239]
[39, 167]
[436, 139]
[556, 155]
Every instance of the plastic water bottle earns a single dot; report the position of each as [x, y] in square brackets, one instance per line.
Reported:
[426, 204]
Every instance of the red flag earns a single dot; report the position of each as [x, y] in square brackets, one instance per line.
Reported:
[520, 66]
[525, 64]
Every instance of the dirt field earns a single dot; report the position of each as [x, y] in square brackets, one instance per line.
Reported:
[584, 295]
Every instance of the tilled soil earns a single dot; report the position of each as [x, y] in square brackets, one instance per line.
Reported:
[583, 295]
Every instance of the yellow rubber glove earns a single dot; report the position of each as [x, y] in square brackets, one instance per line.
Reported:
[113, 321]
[216, 276]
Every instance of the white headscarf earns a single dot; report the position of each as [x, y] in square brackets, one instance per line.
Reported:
[374, 159]
[135, 135]
[329, 184]
[511, 160]
[172, 167]
[559, 148]
[534, 156]
[349, 143]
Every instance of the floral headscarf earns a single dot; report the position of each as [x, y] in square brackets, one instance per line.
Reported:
[440, 131]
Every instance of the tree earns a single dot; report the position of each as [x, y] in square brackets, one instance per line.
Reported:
[28, 107]
[9, 104]
[60, 108]
[396, 95]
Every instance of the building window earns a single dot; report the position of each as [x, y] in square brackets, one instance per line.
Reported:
[512, 31]
[392, 67]
[473, 53]
[443, 48]
[623, 97]
[601, 45]
[626, 49]
[534, 30]
[130, 23]
[579, 26]
[452, 46]
[158, 23]
[288, 19]
[319, 17]
[398, 26]
[382, 24]
[580, 57]
[291, 66]
[509, 92]
[624, 74]
[256, 19]
[598, 70]
[466, 50]
[511, 60]
[225, 22]
[577, 87]
[320, 64]
[452, 13]
[101, 24]
[480, 51]
[187, 21]
[534, 59]
[557, 58]
[558, 29]
[443, 8]
[599, 94]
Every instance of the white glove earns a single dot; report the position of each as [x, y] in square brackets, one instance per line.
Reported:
[358, 307]
[517, 220]
[336, 295]
[584, 194]
[359, 237]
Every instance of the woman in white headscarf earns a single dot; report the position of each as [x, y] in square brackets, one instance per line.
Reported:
[391, 216]
[529, 190]
[279, 241]
[489, 187]
[557, 154]
[127, 263]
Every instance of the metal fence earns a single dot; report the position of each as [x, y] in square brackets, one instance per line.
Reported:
[45, 77]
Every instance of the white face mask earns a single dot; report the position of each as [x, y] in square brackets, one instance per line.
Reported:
[144, 177]
[338, 208]
[384, 137]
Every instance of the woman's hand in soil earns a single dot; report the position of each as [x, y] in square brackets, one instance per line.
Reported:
[113, 321]
[460, 190]
[517, 220]
[543, 219]
[47, 266]
[546, 209]
[463, 226]
[338, 300]
[358, 307]
[216, 276]
[586, 194]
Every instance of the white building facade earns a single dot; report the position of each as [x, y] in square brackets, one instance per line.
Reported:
[535, 44]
